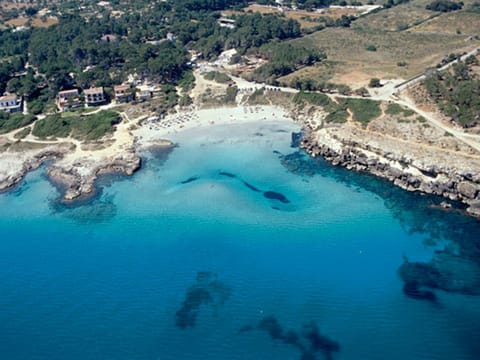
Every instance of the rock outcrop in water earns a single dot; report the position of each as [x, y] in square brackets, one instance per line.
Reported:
[81, 183]
[16, 164]
[414, 168]
[74, 171]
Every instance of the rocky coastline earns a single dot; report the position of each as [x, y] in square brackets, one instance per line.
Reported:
[454, 180]
[77, 183]
[75, 179]
[16, 166]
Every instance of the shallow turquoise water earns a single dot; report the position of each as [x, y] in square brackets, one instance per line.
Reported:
[117, 278]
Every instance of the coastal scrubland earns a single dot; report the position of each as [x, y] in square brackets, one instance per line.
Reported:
[339, 110]
[10, 122]
[456, 91]
[91, 127]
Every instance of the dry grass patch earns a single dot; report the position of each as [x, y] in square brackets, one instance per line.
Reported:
[322, 72]
[452, 23]
[347, 48]
[397, 18]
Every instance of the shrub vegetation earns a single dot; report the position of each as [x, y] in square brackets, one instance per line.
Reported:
[86, 127]
[10, 122]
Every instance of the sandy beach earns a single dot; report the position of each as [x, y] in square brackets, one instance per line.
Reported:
[153, 128]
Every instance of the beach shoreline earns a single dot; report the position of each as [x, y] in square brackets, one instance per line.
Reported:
[411, 167]
[76, 166]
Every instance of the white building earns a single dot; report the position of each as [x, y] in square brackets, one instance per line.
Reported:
[10, 103]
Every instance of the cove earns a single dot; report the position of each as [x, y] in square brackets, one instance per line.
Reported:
[188, 259]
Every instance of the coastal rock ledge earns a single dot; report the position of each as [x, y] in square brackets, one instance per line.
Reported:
[74, 170]
[16, 164]
[410, 166]
[78, 179]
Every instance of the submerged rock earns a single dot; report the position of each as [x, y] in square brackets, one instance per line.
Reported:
[227, 174]
[412, 290]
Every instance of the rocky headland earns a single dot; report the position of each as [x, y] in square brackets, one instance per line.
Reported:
[16, 163]
[74, 166]
[434, 163]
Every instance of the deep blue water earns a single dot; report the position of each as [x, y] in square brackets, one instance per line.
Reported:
[236, 246]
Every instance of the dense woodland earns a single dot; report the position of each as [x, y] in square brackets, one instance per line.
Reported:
[154, 41]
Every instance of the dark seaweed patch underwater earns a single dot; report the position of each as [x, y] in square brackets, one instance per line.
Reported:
[309, 341]
[207, 290]
[268, 194]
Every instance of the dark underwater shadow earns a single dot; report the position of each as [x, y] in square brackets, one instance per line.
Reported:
[206, 291]
[276, 200]
[455, 268]
[309, 341]
[92, 211]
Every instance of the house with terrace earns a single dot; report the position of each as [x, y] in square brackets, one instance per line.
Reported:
[123, 93]
[94, 96]
[11, 103]
[68, 99]
[144, 92]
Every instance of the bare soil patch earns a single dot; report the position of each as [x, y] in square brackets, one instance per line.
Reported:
[35, 22]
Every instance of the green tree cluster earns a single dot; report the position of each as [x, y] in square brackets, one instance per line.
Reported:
[284, 58]
[457, 93]
[444, 5]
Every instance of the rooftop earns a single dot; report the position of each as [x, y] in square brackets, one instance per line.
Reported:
[64, 92]
[10, 97]
[121, 87]
[91, 91]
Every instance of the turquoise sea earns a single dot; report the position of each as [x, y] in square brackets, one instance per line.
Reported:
[236, 245]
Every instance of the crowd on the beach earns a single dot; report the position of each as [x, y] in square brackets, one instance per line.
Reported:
[179, 119]
[196, 117]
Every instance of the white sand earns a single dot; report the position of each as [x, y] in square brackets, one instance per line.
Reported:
[175, 123]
